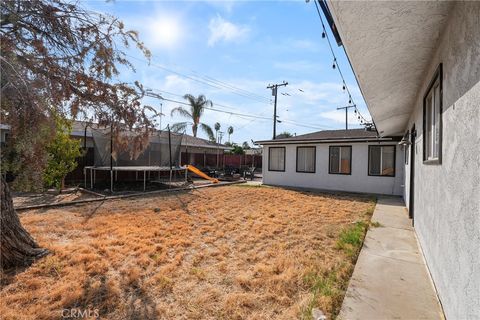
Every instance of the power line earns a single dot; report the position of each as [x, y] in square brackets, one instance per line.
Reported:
[181, 96]
[248, 116]
[217, 85]
[221, 105]
[227, 85]
[302, 124]
[218, 110]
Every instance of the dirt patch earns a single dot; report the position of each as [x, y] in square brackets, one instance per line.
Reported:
[219, 253]
[25, 199]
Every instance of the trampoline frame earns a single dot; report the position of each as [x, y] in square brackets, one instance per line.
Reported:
[144, 169]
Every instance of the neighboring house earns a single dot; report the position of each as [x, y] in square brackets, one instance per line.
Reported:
[201, 152]
[190, 145]
[418, 66]
[4, 130]
[195, 151]
[253, 151]
[353, 160]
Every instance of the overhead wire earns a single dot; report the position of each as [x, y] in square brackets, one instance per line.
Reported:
[245, 116]
[212, 84]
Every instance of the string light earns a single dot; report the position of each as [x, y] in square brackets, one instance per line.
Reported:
[336, 66]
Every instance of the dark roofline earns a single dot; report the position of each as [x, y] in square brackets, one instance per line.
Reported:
[331, 136]
[203, 143]
[332, 140]
[331, 23]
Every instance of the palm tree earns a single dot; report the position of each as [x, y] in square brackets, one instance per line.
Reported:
[230, 132]
[283, 135]
[245, 145]
[217, 128]
[197, 106]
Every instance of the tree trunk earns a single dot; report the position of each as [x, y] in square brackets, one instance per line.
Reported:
[194, 129]
[62, 185]
[17, 247]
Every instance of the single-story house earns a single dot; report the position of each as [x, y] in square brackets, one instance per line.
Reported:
[418, 67]
[353, 160]
[201, 152]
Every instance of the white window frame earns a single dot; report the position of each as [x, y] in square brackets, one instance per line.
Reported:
[432, 120]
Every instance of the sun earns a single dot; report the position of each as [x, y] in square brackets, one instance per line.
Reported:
[166, 32]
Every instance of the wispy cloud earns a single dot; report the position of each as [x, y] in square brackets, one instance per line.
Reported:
[225, 5]
[226, 31]
[338, 116]
[299, 65]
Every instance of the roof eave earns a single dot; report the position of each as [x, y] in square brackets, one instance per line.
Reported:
[309, 141]
[388, 54]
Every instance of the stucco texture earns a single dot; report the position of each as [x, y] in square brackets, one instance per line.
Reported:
[447, 196]
[357, 181]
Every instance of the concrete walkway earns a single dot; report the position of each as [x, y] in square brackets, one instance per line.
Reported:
[390, 280]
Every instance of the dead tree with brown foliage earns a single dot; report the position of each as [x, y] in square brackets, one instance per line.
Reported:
[59, 57]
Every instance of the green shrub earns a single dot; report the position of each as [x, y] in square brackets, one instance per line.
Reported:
[62, 154]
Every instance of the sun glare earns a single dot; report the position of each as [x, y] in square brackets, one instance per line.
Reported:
[166, 32]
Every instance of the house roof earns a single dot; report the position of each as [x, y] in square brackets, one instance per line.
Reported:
[192, 141]
[78, 130]
[325, 136]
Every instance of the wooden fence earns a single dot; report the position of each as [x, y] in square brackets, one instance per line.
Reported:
[203, 160]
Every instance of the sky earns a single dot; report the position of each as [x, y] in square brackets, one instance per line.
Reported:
[230, 51]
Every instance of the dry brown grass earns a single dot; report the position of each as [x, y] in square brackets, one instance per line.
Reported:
[219, 253]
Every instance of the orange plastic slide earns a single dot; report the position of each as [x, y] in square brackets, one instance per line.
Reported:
[201, 174]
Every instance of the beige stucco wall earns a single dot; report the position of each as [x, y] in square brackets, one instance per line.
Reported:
[447, 196]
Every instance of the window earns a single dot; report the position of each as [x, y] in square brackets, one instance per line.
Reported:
[381, 161]
[306, 159]
[340, 160]
[432, 119]
[276, 159]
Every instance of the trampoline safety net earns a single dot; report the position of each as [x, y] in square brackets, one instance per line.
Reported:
[156, 153]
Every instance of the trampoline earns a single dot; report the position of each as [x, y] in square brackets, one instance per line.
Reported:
[160, 154]
[137, 169]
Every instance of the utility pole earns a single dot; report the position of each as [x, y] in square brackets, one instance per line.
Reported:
[274, 88]
[219, 141]
[346, 114]
[151, 94]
